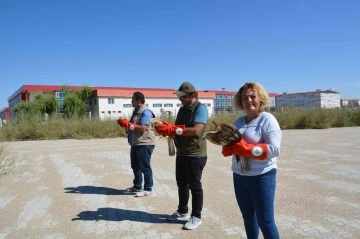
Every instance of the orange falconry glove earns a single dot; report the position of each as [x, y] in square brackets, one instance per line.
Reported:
[126, 124]
[241, 148]
[226, 151]
[168, 129]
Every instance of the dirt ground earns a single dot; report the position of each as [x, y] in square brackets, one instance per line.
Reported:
[75, 189]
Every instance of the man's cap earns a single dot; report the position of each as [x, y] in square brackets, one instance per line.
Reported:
[185, 89]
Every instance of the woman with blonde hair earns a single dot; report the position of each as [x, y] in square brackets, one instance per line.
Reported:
[260, 145]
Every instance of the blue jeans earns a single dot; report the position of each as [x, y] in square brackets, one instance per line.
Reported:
[255, 197]
[140, 156]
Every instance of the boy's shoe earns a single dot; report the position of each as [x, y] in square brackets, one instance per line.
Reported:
[192, 223]
[143, 194]
[178, 216]
[133, 190]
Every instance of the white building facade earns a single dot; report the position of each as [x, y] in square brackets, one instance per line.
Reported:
[317, 99]
[350, 102]
[115, 107]
[115, 103]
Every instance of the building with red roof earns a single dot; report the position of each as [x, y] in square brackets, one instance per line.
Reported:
[5, 114]
[114, 102]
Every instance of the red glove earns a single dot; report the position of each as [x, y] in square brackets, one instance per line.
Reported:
[170, 129]
[126, 124]
[226, 151]
[255, 151]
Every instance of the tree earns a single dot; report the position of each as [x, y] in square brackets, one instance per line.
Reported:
[51, 104]
[37, 108]
[75, 101]
[47, 104]
[85, 93]
[27, 110]
[74, 104]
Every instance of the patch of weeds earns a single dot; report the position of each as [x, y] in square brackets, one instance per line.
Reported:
[7, 162]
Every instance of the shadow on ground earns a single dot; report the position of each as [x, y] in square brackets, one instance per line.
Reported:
[97, 190]
[117, 214]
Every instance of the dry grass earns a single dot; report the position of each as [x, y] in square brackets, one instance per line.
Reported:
[7, 162]
[62, 129]
[289, 118]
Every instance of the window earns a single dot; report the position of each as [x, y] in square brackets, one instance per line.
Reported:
[168, 105]
[127, 105]
[179, 105]
[119, 111]
[111, 101]
[157, 105]
[114, 112]
[95, 101]
[60, 96]
[109, 112]
[208, 105]
[102, 112]
[147, 105]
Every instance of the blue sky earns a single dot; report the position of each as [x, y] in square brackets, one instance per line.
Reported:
[286, 45]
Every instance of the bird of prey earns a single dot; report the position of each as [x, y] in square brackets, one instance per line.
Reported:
[170, 140]
[227, 134]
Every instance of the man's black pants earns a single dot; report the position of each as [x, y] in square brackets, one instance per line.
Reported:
[188, 176]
